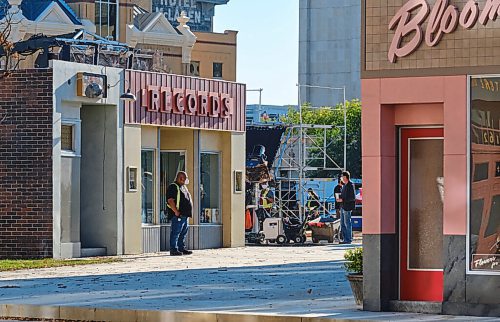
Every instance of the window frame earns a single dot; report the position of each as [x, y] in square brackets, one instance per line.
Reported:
[76, 125]
[470, 181]
[99, 26]
[159, 180]
[219, 185]
[155, 218]
[221, 70]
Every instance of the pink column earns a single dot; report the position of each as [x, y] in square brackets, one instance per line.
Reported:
[412, 101]
[455, 156]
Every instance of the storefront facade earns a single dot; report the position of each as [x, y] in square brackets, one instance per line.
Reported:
[431, 156]
[189, 124]
[83, 173]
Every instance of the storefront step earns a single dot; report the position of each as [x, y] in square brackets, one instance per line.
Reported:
[94, 252]
[416, 307]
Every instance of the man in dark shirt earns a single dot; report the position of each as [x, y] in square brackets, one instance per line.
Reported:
[336, 192]
[180, 209]
[348, 199]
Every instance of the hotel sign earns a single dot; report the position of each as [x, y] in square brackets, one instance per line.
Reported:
[200, 12]
[444, 18]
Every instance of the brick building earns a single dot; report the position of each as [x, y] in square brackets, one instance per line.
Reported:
[26, 164]
[84, 173]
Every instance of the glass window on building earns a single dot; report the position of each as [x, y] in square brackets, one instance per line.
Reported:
[217, 70]
[484, 221]
[171, 162]
[67, 142]
[106, 18]
[210, 189]
[148, 197]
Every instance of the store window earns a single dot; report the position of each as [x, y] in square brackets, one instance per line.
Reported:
[71, 137]
[217, 70]
[210, 189]
[171, 162]
[484, 220]
[67, 142]
[106, 18]
[147, 171]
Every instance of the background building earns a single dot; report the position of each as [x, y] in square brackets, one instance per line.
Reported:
[265, 114]
[329, 50]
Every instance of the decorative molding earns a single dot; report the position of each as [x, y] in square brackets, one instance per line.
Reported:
[54, 14]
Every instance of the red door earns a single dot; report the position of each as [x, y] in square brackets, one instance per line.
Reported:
[421, 214]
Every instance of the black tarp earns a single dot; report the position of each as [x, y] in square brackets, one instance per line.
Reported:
[268, 136]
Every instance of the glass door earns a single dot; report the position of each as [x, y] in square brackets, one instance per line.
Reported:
[210, 189]
[148, 183]
[171, 162]
[422, 193]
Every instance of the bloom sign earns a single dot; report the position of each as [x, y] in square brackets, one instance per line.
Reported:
[443, 18]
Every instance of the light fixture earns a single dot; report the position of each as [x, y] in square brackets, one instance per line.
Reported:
[128, 96]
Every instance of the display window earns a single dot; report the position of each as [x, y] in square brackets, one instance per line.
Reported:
[210, 188]
[147, 188]
[484, 212]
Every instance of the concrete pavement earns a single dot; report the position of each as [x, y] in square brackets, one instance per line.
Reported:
[306, 281]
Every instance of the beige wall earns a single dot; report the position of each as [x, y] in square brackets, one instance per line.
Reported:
[84, 9]
[238, 159]
[218, 48]
[132, 200]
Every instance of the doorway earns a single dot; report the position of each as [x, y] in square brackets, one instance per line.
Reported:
[421, 214]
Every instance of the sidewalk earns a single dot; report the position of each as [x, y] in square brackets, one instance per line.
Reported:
[307, 281]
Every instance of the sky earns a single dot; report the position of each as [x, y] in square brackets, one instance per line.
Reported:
[268, 46]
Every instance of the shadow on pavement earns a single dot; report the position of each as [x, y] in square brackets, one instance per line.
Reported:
[318, 288]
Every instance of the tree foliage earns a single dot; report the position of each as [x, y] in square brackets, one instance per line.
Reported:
[9, 58]
[335, 137]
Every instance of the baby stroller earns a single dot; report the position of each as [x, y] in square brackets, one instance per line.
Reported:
[294, 229]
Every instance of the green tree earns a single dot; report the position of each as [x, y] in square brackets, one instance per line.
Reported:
[335, 137]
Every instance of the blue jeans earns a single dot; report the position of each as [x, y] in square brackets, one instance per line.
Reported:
[178, 232]
[346, 225]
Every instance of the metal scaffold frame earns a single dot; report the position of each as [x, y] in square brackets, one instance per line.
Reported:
[301, 146]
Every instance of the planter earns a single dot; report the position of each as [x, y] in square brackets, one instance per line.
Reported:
[356, 281]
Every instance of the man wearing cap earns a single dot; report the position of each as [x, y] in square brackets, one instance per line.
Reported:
[180, 209]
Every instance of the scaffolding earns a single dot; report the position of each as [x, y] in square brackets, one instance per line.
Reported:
[303, 152]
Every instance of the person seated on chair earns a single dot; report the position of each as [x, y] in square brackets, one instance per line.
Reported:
[312, 204]
[266, 201]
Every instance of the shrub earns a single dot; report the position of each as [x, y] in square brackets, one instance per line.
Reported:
[354, 258]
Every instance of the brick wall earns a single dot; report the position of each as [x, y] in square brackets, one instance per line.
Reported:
[26, 164]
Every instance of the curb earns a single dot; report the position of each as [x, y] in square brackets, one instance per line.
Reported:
[119, 315]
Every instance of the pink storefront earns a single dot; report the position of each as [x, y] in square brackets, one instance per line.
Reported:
[431, 156]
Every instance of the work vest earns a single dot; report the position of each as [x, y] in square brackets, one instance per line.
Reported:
[309, 204]
[266, 204]
[178, 199]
